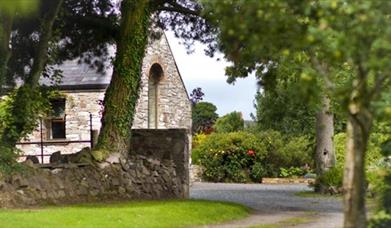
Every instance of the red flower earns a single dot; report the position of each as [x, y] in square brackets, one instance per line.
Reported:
[251, 153]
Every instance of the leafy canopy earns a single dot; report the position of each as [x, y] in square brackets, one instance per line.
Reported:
[230, 122]
[204, 116]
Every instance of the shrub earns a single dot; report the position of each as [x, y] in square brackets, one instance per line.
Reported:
[372, 160]
[197, 140]
[8, 158]
[292, 172]
[373, 153]
[381, 180]
[230, 123]
[257, 171]
[285, 152]
[381, 219]
[244, 157]
[332, 178]
[232, 157]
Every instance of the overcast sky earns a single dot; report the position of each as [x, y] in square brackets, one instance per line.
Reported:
[199, 70]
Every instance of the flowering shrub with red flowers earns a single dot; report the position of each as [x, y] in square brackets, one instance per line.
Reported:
[247, 157]
[251, 153]
[232, 157]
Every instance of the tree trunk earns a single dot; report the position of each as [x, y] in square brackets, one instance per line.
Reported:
[358, 129]
[122, 94]
[5, 52]
[13, 133]
[325, 154]
[41, 52]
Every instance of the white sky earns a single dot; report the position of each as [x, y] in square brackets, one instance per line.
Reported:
[199, 70]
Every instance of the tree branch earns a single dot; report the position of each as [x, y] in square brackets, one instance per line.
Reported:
[41, 51]
[97, 22]
[323, 70]
[175, 7]
[380, 82]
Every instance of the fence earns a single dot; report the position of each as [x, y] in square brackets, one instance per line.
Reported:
[42, 143]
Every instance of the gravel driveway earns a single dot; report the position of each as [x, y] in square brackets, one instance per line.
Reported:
[273, 203]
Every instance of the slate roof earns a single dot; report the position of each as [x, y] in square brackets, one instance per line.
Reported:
[80, 76]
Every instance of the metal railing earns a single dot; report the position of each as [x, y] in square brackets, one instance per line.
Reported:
[44, 143]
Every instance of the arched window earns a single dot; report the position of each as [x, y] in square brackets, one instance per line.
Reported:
[155, 75]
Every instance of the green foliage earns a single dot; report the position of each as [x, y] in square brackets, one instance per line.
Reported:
[332, 178]
[373, 162]
[346, 43]
[19, 114]
[196, 141]
[286, 152]
[373, 154]
[386, 197]
[381, 219]
[257, 171]
[204, 116]
[282, 110]
[226, 157]
[376, 179]
[292, 172]
[245, 157]
[380, 178]
[8, 158]
[230, 122]
[19, 6]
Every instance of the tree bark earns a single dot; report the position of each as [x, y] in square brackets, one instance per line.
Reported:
[41, 52]
[5, 52]
[358, 130]
[325, 154]
[122, 94]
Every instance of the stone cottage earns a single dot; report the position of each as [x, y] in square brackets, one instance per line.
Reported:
[163, 103]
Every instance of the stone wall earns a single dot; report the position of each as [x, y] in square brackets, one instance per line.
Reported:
[171, 144]
[150, 172]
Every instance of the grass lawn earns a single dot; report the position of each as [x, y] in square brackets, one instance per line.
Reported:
[173, 213]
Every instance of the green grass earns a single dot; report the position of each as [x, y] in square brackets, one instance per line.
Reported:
[131, 214]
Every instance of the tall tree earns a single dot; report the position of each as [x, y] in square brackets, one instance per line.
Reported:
[282, 109]
[230, 122]
[124, 86]
[203, 116]
[122, 94]
[338, 38]
[324, 154]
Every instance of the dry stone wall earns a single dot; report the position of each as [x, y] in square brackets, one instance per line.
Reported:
[159, 173]
[171, 144]
[138, 178]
